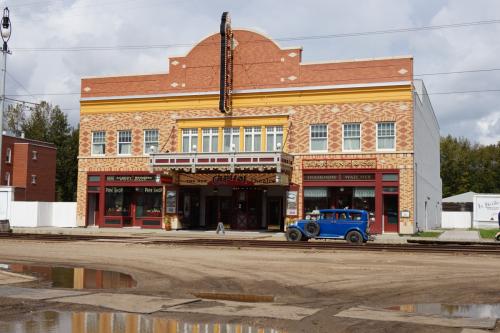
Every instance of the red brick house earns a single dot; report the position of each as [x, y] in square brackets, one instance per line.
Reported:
[30, 167]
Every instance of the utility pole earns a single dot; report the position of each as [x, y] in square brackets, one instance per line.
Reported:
[5, 32]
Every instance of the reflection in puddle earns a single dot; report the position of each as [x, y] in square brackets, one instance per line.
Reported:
[76, 278]
[104, 322]
[449, 310]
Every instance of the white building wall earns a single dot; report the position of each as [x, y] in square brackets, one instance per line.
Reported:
[486, 210]
[452, 220]
[427, 165]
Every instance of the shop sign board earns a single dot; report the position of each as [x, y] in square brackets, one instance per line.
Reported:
[291, 203]
[233, 179]
[339, 177]
[486, 208]
[140, 178]
[340, 164]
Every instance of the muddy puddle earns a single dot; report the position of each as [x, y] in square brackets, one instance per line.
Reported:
[73, 277]
[236, 297]
[97, 322]
[450, 310]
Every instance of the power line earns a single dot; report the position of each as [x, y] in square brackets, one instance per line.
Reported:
[282, 39]
[18, 83]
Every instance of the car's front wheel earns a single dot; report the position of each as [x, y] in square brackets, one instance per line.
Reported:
[354, 237]
[294, 235]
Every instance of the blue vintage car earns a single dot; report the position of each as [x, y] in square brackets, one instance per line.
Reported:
[349, 224]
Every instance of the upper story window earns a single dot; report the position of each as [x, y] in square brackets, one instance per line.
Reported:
[34, 155]
[151, 141]
[210, 139]
[189, 140]
[319, 138]
[352, 137]
[33, 179]
[7, 178]
[124, 142]
[252, 138]
[274, 138]
[386, 136]
[98, 143]
[231, 139]
[8, 155]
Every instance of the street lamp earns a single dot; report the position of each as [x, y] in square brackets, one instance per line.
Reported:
[5, 31]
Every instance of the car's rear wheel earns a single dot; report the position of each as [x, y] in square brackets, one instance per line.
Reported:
[354, 237]
[312, 229]
[294, 235]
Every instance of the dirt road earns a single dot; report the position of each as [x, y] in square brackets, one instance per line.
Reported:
[331, 281]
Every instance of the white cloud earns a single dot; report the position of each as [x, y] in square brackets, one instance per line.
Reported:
[128, 22]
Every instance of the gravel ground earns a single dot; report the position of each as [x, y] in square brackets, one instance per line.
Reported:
[330, 280]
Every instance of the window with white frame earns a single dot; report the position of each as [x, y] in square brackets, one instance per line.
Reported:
[352, 137]
[7, 178]
[319, 137]
[386, 136]
[34, 155]
[124, 142]
[252, 138]
[98, 143]
[8, 155]
[231, 139]
[150, 141]
[33, 179]
[210, 139]
[274, 138]
[189, 140]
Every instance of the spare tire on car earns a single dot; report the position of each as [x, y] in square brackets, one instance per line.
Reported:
[294, 235]
[312, 229]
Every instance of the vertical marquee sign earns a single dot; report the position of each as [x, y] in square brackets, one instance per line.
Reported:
[226, 64]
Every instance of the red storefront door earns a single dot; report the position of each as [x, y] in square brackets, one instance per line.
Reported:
[390, 215]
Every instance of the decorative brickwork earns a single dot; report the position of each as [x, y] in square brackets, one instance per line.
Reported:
[373, 91]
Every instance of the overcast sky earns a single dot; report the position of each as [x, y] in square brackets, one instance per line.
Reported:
[36, 74]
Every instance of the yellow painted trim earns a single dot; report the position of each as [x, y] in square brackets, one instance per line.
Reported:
[179, 140]
[263, 138]
[220, 138]
[351, 95]
[242, 138]
[199, 147]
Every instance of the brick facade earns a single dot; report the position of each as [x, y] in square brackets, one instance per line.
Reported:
[32, 168]
[259, 64]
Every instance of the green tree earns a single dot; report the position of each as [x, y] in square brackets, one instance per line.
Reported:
[466, 167]
[14, 118]
[50, 124]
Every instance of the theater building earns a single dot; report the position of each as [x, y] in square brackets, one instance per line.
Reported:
[297, 137]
